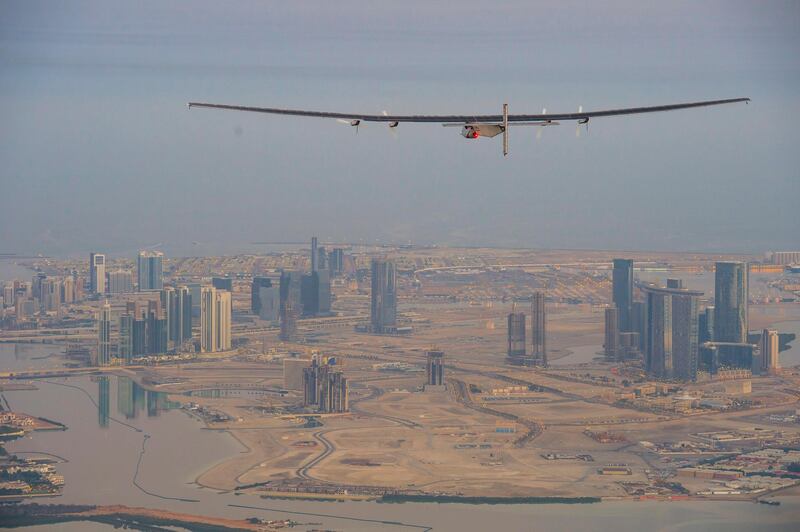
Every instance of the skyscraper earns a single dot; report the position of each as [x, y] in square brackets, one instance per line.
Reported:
[291, 289]
[139, 331]
[288, 316]
[309, 293]
[639, 324]
[36, 284]
[97, 273]
[183, 323]
[194, 291]
[434, 367]
[611, 342]
[50, 295]
[324, 291]
[8, 296]
[315, 293]
[516, 338]
[336, 262]
[672, 349]
[325, 387]
[314, 254]
[255, 300]
[120, 282]
[269, 303]
[334, 397]
[622, 291]
[322, 259]
[177, 303]
[215, 320]
[67, 289]
[383, 307]
[685, 334]
[169, 299]
[222, 283]
[310, 387]
[157, 328]
[705, 325]
[730, 302]
[149, 270]
[224, 311]
[769, 348]
[104, 336]
[538, 330]
[77, 286]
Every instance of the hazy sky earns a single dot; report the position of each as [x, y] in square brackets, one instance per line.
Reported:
[98, 150]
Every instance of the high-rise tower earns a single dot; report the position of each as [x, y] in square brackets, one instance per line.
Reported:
[314, 254]
[434, 367]
[255, 297]
[730, 302]
[516, 338]
[97, 273]
[104, 336]
[622, 292]
[538, 330]
[288, 319]
[215, 320]
[611, 342]
[672, 332]
[336, 262]
[383, 308]
[177, 305]
[769, 347]
[150, 270]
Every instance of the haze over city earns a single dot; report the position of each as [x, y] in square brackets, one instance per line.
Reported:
[93, 105]
[248, 281]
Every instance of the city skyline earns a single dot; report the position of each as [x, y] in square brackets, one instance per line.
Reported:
[301, 290]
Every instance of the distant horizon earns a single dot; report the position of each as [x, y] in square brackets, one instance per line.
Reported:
[298, 245]
[99, 149]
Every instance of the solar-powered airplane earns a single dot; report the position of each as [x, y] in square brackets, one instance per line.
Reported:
[474, 126]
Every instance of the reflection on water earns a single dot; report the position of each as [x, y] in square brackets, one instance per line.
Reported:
[21, 357]
[100, 463]
[102, 403]
[131, 400]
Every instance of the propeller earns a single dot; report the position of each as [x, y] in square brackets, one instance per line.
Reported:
[579, 123]
[392, 125]
[352, 123]
[540, 128]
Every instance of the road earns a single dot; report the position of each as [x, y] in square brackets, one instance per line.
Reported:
[302, 472]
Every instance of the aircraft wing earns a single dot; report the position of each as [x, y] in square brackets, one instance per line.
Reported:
[469, 118]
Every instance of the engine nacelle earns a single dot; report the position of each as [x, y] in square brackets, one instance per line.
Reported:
[470, 132]
[474, 131]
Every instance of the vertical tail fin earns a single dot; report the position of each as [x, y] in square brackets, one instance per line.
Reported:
[505, 129]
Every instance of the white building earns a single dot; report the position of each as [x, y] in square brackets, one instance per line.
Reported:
[215, 320]
[768, 348]
[97, 273]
